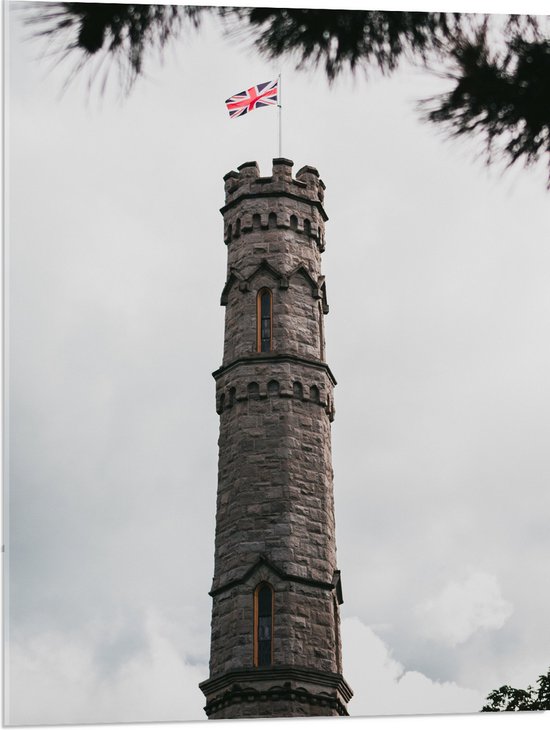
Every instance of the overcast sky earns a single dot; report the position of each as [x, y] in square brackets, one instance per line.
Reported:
[437, 275]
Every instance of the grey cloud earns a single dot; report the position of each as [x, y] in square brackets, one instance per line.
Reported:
[437, 281]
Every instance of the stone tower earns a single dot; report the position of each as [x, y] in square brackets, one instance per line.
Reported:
[275, 648]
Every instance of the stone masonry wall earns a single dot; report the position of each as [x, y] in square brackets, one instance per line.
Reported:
[275, 508]
[304, 625]
[286, 231]
[275, 476]
[296, 320]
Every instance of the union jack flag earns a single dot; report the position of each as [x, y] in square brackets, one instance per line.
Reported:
[253, 98]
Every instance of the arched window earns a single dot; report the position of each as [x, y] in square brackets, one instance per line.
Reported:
[321, 333]
[273, 387]
[337, 643]
[264, 326]
[263, 625]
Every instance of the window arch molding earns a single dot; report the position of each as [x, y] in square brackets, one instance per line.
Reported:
[264, 320]
[264, 600]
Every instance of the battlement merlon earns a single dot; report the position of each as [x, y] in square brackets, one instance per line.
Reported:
[246, 183]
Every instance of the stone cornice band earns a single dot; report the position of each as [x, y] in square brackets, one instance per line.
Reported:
[270, 357]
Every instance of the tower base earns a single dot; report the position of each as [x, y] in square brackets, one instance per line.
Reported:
[284, 691]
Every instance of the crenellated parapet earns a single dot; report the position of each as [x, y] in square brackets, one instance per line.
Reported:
[277, 203]
[247, 181]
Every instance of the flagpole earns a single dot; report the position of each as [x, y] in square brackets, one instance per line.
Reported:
[280, 98]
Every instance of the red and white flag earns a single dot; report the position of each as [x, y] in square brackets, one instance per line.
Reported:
[253, 98]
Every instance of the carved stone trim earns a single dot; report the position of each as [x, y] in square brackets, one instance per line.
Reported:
[263, 560]
[318, 288]
[267, 684]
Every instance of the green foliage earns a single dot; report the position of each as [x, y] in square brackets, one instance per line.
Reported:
[509, 699]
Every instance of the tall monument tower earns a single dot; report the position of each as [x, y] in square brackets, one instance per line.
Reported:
[275, 648]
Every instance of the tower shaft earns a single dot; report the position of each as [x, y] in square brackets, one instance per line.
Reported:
[275, 646]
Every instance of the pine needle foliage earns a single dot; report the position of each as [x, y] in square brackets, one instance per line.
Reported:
[341, 39]
[498, 94]
[112, 32]
[498, 67]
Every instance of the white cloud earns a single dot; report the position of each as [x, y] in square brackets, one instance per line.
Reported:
[462, 608]
[55, 678]
[382, 686]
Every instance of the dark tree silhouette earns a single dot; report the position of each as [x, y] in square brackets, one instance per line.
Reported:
[103, 31]
[351, 38]
[498, 67]
[499, 96]
[509, 699]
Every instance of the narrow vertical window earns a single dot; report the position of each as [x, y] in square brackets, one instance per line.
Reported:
[321, 334]
[264, 321]
[337, 644]
[263, 625]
